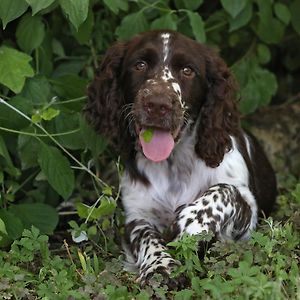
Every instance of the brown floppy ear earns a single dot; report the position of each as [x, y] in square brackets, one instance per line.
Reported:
[105, 98]
[219, 117]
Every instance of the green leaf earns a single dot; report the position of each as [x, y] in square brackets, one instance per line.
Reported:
[263, 53]
[28, 149]
[148, 134]
[282, 13]
[234, 7]
[4, 153]
[93, 141]
[49, 114]
[294, 9]
[188, 4]
[30, 33]
[83, 35]
[242, 18]
[11, 119]
[257, 85]
[11, 9]
[57, 170]
[38, 5]
[131, 25]
[197, 25]
[165, 22]
[13, 224]
[37, 90]
[116, 5]
[69, 122]
[14, 68]
[76, 10]
[70, 86]
[267, 21]
[42, 216]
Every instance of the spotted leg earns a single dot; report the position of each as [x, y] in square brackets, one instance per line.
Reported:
[229, 212]
[148, 249]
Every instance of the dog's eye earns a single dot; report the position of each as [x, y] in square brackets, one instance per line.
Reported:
[140, 66]
[188, 71]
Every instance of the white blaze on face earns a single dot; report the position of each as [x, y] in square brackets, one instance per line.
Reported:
[166, 72]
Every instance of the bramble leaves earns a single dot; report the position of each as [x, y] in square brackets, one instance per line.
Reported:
[197, 25]
[76, 10]
[14, 68]
[57, 170]
[10, 10]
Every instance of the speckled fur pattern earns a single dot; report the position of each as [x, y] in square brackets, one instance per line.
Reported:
[217, 177]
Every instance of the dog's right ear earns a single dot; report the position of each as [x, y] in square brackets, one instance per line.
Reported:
[105, 99]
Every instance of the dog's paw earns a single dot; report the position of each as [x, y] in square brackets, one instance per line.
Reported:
[157, 274]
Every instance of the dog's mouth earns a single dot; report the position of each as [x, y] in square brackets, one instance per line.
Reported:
[157, 143]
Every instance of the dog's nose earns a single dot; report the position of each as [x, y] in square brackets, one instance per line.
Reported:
[157, 106]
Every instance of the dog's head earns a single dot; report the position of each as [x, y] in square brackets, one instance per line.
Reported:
[147, 90]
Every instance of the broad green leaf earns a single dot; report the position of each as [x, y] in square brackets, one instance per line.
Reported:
[57, 170]
[2, 226]
[11, 9]
[69, 122]
[49, 114]
[14, 68]
[282, 13]
[233, 7]
[188, 4]
[70, 86]
[93, 141]
[267, 22]
[294, 9]
[42, 216]
[197, 25]
[10, 168]
[38, 5]
[37, 90]
[116, 5]
[28, 149]
[131, 25]
[83, 35]
[263, 53]
[257, 85]
[165, 22]
[76, 10]
[242, 18]
[10, 118]
[13, 224]
[30, 33]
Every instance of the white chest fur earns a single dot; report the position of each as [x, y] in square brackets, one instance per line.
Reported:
[179, 180]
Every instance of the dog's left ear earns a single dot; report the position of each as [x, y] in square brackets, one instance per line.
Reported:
[219, 117]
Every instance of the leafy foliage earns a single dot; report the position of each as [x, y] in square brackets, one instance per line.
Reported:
[48, 154]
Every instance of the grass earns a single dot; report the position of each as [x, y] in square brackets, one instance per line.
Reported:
[265, 267]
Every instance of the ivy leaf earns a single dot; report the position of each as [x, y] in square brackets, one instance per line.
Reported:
[165, 22]
[57, 170]
[233, 7]
[116, 5]
[38, 5]
[197, 25]
[76, 10]
[294, 9]
[10, 10]
[14, 68]
[131, 25]
[30, 33]
[242, 18]
[282, 13]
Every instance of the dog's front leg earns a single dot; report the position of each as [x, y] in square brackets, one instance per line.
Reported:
[149, 251]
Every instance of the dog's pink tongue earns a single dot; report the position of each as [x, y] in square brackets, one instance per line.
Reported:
[159, 146]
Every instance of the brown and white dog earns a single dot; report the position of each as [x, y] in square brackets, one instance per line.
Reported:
[168, 106]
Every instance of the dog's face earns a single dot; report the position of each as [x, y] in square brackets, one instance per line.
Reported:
[163, 76]
[159, 81]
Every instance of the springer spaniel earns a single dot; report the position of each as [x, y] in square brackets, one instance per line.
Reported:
[168, 105]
